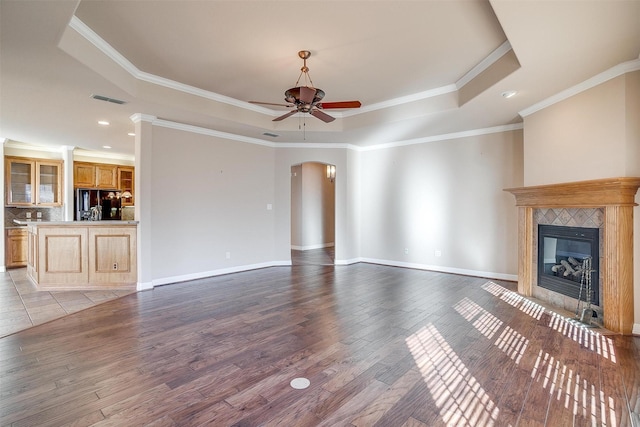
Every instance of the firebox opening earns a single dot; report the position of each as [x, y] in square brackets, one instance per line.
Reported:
[561, 252]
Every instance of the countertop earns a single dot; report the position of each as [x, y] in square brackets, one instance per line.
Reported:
[24, 222]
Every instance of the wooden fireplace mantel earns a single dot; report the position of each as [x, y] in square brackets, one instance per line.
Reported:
[584, 194]
[617, 197]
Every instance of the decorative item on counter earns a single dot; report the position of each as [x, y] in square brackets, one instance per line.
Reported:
[96, 213]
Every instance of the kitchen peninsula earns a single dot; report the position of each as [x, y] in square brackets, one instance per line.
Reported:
[72, 255]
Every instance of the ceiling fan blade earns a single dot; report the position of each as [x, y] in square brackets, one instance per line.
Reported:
[270, 103]
[284, 116]
[307, 94]
[321, 115]
[341, 104]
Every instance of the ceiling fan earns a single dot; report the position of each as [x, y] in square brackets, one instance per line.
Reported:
[306, 98]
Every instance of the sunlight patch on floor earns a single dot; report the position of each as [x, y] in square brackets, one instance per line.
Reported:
[459, 397]
[514, 299]
[584, 336]
[486, 323]
[575, 393]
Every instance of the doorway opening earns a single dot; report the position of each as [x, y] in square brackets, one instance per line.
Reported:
[313, 214]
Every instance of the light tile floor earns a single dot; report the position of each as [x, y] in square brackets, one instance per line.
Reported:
[23, 306]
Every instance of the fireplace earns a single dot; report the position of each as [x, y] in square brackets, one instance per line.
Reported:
[616, 198]
[562, 254]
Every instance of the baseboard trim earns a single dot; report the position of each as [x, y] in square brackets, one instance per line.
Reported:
[240, 268]
[220, 272]
[144, 286]
[442, 269]
[347, 261]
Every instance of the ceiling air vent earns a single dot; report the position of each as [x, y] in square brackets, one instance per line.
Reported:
[106, 98]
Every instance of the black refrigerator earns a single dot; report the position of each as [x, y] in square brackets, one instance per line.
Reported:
[97, 204]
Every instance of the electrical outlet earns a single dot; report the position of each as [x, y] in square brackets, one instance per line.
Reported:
[438, 252]
[38, 214]
[28, 214]
[406, 251]
[228, 255]
[115, 265]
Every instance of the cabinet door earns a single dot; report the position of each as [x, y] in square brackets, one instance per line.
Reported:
[49, 180]
[106, 176]
[84, 175]
[112, 255]
[16, 251]
[19, 182]
[125, 183]
[63, 259]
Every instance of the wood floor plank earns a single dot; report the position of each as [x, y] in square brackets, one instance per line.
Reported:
[380, 345]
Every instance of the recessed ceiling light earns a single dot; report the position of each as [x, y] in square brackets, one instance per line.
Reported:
[131, 134]
[509, 93]
[103, 122]
[106, 146]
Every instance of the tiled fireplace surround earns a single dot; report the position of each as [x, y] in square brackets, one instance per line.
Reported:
[567, 217]
[606, 204]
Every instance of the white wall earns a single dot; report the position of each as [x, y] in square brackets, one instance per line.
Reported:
[209, 199]
[444, 196]
[581, 138]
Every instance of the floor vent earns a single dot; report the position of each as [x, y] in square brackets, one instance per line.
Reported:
[107, 99]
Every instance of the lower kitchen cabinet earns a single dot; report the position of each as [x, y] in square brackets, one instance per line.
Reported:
[83, 255]
[16, 247]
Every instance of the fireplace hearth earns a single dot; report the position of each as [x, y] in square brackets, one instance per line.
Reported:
[561, 255]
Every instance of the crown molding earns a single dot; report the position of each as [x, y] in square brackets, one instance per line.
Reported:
[139, 117]
[9, 143]
[257, 141]
[444, 137]
[91, 36]
[431, 93]
[484, 64]
[618, 70]
[102, 155]
[210, 132]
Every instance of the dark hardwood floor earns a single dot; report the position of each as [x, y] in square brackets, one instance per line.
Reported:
[322, 256]
[381, 346]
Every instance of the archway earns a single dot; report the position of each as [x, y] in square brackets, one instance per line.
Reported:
[313, 213]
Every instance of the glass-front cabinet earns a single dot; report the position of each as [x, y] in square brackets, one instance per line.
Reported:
[31, 182]
[125, 185]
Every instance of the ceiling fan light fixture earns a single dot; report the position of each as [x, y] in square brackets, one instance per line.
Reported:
[305, 98]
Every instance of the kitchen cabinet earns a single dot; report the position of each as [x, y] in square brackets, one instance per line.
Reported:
[33, 182]
[82, 255]
[125, 183]
[95, 175]
[106, 176]
[84, 175]
[16, 247]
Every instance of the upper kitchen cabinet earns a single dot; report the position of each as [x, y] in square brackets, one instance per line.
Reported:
[84, 175]
[33, 182]
[95, 175]
[125, 183]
